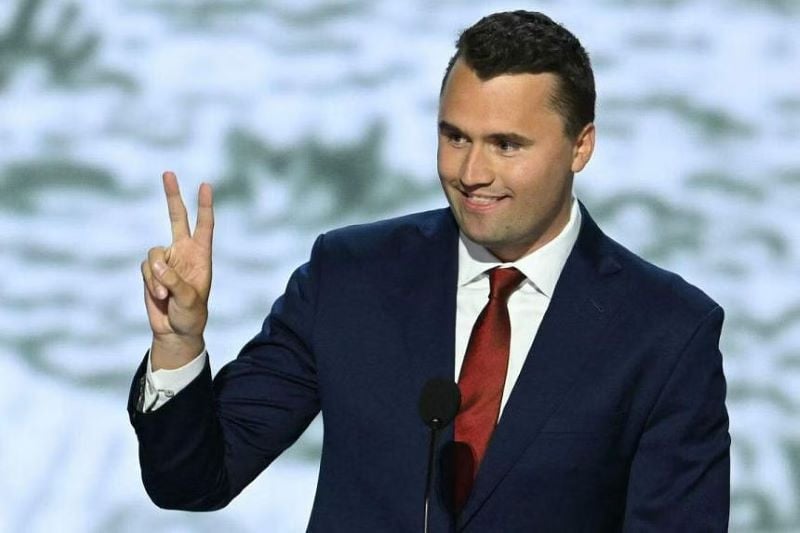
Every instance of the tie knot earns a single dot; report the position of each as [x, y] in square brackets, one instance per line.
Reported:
[504, 281]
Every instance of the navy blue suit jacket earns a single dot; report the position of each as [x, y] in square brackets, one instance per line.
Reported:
[617, 421]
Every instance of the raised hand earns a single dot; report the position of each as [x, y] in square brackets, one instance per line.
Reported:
[177, 280]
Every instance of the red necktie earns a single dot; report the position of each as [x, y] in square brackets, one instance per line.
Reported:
[483, 374]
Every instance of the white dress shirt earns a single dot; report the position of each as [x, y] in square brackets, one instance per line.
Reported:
[526, 305]
[526, 308]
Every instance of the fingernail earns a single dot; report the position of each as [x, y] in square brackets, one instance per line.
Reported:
[161, 292]
[160, 267]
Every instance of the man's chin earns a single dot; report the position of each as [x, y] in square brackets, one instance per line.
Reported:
[501, 248]
[486, 240]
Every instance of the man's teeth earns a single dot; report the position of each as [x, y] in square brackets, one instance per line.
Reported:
[483, 199]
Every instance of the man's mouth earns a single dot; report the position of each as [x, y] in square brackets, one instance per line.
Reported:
[481, 202]
[481, 199]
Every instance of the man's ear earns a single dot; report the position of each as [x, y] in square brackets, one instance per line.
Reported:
[584, 147]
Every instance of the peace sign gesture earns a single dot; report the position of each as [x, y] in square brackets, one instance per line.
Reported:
[177, 280]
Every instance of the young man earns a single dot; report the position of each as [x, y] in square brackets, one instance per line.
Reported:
[593, 397]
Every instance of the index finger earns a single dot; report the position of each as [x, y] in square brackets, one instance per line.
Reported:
[177, 210]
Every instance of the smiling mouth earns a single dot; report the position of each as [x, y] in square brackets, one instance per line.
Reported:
[481, 201]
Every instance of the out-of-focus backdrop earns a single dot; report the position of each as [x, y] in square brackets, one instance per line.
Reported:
[306, 115]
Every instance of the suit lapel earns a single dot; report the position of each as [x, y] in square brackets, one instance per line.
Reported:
[570, 330]
[422, 298]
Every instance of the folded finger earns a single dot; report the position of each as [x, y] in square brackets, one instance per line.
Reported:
[158, 290]
[182, 293]
[155, 289]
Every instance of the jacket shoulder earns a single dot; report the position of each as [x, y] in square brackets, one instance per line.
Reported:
[659, 286]
[388, 235]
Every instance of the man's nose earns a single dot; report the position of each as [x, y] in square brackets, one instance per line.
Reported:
[475, 169]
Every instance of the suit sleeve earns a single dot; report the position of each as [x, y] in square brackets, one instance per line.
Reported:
[680, 475]
[199, 450]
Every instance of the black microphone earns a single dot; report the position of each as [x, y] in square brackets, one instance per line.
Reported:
[438, 406]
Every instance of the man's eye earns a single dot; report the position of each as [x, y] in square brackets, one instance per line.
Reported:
[507, 146]
[457, 139]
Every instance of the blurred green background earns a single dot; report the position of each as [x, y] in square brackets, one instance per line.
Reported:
[307, 115]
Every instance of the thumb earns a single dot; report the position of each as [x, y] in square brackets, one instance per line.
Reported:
[182, 293]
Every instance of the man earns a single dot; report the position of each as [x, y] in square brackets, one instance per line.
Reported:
[593, 393]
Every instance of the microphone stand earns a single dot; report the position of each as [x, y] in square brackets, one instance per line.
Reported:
[435, 425]
[438, 406]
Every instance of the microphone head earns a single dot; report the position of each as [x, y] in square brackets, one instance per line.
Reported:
[439, 402]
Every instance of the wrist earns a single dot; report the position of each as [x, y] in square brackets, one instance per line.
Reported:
[174, 351]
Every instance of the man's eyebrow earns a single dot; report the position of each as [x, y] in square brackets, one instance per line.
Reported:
[510, 136]
[446, 127]
[450, 129]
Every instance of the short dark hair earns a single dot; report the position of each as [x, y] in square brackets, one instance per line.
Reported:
[528, 42]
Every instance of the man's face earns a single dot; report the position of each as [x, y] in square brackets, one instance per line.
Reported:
[504, 161]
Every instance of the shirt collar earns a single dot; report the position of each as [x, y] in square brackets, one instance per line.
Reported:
[541, 267]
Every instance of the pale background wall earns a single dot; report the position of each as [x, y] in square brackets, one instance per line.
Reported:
[309, 115]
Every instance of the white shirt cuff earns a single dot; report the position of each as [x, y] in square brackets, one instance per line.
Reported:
[163, 384]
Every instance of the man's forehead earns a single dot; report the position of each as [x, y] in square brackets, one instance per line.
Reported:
[465, 94]
[464, 78]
